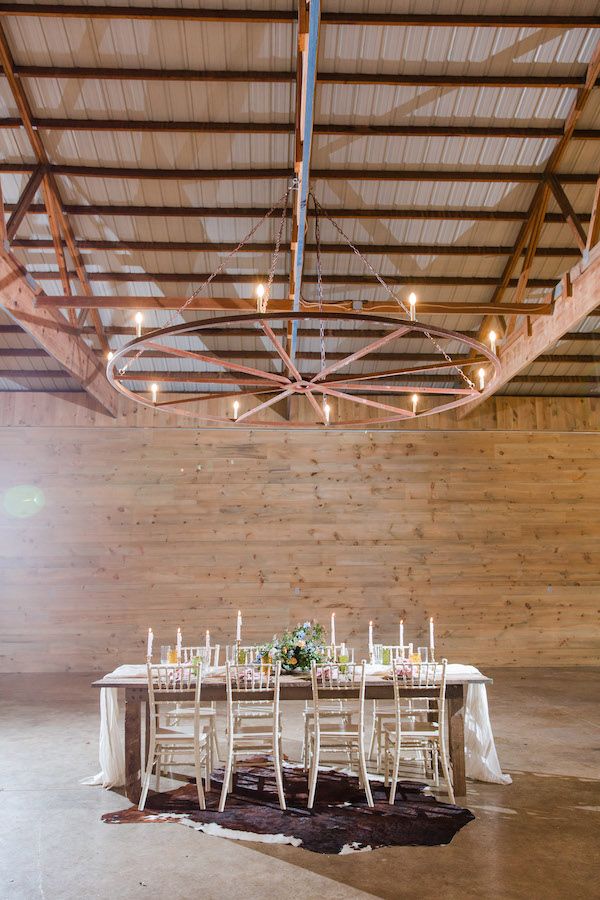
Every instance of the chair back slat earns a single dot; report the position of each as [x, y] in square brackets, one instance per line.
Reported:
[335, 677]
[421, 676]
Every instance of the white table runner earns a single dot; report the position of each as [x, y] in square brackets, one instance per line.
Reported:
[481, 759]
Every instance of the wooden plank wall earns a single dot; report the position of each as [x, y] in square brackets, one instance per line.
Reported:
[495, 533]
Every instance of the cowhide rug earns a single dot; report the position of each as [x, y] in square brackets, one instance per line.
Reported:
[340, 822]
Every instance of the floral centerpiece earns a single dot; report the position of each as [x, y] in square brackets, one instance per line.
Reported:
[298, 647]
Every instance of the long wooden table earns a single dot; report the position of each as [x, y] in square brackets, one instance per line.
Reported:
[292, 688]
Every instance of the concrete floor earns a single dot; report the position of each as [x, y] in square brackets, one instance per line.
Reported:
[538, 838]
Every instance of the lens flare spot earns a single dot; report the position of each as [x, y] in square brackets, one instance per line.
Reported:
[23, 501]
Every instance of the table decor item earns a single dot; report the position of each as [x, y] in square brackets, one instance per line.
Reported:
[298, 647]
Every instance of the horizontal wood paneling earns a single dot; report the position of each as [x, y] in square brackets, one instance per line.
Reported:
[504, 413]
[495, 533]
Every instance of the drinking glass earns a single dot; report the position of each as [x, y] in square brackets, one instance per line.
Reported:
[172, 656]
[377, 653]
[386, 657]
[423, 653]
[164, 654]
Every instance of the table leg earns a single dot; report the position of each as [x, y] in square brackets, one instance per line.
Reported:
[456, 729]
[133, 721]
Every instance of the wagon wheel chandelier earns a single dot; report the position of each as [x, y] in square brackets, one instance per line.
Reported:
[333, 399]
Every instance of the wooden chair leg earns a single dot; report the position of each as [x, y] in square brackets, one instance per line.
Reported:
[446, 771]
[226, 778]
[278, 771]
[314, 772]
[362, 762]
[395, 771]
[198, 772]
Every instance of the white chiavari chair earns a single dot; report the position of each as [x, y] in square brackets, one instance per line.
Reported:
[165, 681]
[330, 736]
[418, 736]
[247, 654]
[258, 734]
[334, 709]
[383, 710]
[208, 658]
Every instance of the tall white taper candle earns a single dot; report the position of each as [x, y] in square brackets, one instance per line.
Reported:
[238, 632]
[149, 647]
[333, 629]
[401, 636]
[431, 637]
[179, 645]
[371, 638]
[207, 639]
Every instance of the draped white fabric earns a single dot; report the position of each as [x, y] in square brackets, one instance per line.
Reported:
[481, 759]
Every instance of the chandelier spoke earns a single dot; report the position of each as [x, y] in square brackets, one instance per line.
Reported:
[413, 370]
[318, 409]
[401, 413]
[397, 388]
[217, 395]
[216, 361]
[369, 348]
[256, 409]
[280, 350]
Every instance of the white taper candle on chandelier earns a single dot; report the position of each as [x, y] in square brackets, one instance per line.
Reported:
[139, 318]
[333, 629]
[401, 635]
[412, 301]
[481, 374]
[238, 631]
[149, 646]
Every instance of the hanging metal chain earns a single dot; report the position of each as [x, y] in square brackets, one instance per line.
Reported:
[319, 283]
[276, 251]
[394, 296]
[283, 201]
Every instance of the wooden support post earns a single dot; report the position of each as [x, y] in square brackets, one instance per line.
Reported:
[456, 731]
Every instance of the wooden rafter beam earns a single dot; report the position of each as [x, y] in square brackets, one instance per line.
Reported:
[525, 79]
[568, 212]
[326, 248]
[525, 346]
[284, 16]
[18, 296]
[3, 234]
[491, 176]
[593, 235]
[244, 278]
[24, 202]
[27, 120]
[65, 301]
[536, 216]
[564, 359]
[169, 126]
[252, 212]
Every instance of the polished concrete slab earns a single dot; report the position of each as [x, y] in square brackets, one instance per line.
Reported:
[537, 838]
